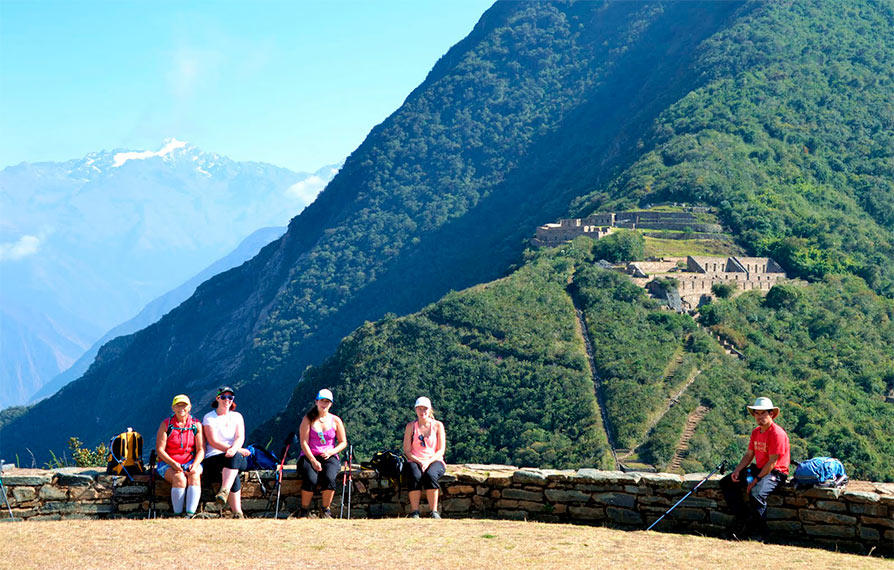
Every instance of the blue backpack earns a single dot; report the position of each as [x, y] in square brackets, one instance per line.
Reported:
[819, 472]
[260, 459]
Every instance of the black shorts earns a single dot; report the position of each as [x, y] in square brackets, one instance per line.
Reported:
[418, 480]
[324, 479]
[213, 467]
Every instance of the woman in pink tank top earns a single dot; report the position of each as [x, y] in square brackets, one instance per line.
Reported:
[322, 437]
[424, 446]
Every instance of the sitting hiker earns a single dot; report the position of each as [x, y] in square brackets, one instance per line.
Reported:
[224, 431]
[424, 446]
[180, 449]
[769, 448]
[319, 462]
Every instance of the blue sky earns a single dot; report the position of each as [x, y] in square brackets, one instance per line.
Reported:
[298, 84]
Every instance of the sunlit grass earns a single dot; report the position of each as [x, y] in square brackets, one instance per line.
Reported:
[388, 543]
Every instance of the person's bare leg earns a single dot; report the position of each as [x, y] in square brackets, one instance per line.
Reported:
[432, 496]
[415, 496]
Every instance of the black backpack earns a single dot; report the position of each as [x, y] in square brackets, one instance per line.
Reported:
[387, 465]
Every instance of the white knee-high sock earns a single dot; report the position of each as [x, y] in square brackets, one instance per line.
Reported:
[193, 494]
[177, 494]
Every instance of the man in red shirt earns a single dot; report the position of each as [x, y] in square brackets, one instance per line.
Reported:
[769, 449]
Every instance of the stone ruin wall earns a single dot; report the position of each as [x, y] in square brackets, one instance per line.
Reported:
[859, 518]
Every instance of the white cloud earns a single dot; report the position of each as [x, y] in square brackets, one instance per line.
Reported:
[307, 189]
[172, 145]
[27, 245]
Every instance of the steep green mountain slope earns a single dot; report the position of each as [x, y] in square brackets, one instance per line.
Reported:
[504, 363]
[505, 366]
[791, 136]
[510, 125]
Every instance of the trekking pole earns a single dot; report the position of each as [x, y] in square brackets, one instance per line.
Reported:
[152, 500]
[290, 439]
[350, 476]
[721, 468]
[260, 483]
[3, 490]
[344, 484]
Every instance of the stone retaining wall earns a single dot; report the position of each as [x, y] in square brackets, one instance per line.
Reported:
[859, 519]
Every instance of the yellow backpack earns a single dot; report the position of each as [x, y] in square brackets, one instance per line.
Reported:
[126, 454]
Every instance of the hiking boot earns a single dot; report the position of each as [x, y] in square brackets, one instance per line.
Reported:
[326, 514]
[221, 497]
[435, 515]
[414, 515]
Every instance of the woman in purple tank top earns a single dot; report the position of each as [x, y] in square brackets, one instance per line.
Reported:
[319, 463]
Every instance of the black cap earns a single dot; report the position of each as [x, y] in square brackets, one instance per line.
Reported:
[223, 389]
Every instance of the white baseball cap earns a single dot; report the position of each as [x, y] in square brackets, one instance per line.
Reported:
[325, 394]
[422, 401]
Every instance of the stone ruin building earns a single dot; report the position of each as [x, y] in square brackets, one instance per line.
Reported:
[598, 226]
[696, 275]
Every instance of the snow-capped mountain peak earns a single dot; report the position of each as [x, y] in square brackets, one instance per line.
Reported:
[170, 146]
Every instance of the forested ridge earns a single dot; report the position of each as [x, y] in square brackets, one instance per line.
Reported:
[777, 114]
[505, 366]
[791, 137]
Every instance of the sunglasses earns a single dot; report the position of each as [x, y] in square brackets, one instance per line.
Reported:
[422, 440]
[322, 437]
[226, 396]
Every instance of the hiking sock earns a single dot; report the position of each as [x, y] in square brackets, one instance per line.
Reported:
[193, 495]
[177, 495]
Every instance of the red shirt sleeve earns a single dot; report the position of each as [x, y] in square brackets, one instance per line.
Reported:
[775, 444]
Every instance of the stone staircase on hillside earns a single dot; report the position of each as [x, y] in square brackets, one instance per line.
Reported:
[597, 388]
[682, 449]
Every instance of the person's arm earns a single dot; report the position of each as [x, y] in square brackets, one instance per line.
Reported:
[746, 461]
[771, 465]
[200, 447]
[442, 444]
[240, 438]
[340, 435]
[304, 439]
[408, 443]
[161, 442]
[211, 438]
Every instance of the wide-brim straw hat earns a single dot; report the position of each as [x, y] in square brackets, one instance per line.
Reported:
[764, 403]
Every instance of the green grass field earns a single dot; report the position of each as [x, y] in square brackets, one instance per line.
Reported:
[657, 247]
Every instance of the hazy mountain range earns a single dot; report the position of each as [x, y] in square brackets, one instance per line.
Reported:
[160, 306]
[86, 244]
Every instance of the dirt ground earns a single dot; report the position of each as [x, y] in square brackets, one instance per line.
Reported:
[390, 543]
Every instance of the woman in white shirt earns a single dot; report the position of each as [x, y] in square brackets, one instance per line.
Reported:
[224, 431]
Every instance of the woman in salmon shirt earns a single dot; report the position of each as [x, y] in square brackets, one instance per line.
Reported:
[424, 446]
[319, 463]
